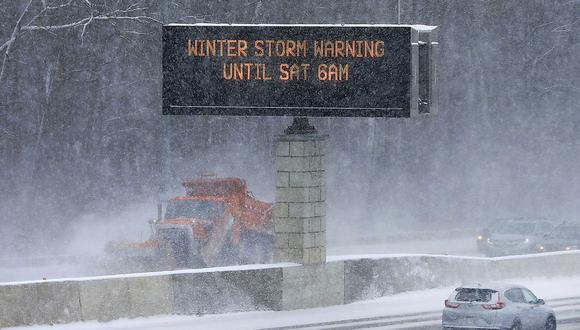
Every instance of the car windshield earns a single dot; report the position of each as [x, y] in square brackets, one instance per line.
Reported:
[474, 295]
[194, 209]
[568, 232]
[517, 228]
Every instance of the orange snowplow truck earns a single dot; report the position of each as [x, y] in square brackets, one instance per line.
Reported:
[218, 222]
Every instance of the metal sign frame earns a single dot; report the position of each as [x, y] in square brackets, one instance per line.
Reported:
[191, 85]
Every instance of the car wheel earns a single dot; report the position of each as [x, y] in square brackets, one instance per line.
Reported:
[517, 326]
[550, 323]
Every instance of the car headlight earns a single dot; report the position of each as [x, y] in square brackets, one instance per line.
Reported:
[479, 238]
[541, 248]
[527, 240]
[572, 247]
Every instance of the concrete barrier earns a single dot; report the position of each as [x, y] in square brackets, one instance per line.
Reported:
[260, 287]
[372, 278]
[229, 291]
[545, 265]
[39, 303]
[151, 296]
[313, 286]
[367, 278]
[112, 298]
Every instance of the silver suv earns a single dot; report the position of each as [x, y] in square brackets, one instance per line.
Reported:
[496, 306]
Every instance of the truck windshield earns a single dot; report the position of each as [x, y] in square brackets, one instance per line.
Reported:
[207, 210]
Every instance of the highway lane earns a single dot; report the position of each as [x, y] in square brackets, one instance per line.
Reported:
[567, 313]
[461, 246]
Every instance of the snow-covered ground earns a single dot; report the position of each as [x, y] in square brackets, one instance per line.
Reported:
[426, 303]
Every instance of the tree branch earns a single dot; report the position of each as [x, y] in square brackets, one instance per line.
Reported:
[87, 19]
[8, 44]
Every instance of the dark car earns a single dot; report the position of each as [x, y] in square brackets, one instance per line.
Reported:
[481, 239]
[484, 233]
[517, 237]
[565, 237]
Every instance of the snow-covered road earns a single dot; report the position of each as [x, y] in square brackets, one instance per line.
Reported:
[77, 266]
[411, 310]
[459, 246]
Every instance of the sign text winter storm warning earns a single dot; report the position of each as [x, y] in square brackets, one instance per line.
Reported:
[289, 70]
[253, 69]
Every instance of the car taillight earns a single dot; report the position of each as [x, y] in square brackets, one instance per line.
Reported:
[450, 304]
[497, 305]
[494, 306]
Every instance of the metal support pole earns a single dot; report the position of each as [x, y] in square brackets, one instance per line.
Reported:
[399, 12]
[300, 125]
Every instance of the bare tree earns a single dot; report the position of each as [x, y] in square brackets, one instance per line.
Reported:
[37, 13]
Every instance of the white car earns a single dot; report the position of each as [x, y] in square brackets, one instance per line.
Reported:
[496, 306]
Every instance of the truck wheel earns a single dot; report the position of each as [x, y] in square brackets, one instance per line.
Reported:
[263, 249]
[256, 248]
[551, 323]
[229, 254]
[266, 250]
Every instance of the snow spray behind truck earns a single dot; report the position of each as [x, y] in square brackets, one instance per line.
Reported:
[216, 223]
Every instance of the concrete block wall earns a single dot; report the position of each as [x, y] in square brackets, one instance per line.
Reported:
[300, 208]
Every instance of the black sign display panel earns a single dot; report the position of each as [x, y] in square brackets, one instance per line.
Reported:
[288, 70]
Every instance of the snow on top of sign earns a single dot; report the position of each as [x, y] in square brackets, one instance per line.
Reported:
[414, 26]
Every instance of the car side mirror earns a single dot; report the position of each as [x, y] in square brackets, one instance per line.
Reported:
[540, 302]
